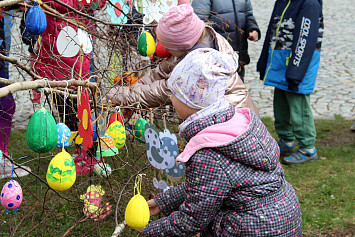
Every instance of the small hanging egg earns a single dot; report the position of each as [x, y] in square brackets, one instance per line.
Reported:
[118, 133]
[41, 133]
[140, 128]
[61, 173]
[146, 44]
[11, 195]
[137, 213]
[36, 21]
[160, 51]
[103, 170]
[64, 134]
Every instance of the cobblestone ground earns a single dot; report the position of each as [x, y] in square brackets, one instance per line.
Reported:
[334, 93]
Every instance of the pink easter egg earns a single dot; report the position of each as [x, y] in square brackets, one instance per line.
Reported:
[11, 195]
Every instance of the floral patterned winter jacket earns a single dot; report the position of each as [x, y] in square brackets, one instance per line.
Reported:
[236, 188]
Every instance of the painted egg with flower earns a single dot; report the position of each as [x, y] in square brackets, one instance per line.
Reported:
[64, 134]
[146, 44]
[61, 173]
[11, 195]
[137, 213]
[41, 133]
[139, 129]
[118, 133]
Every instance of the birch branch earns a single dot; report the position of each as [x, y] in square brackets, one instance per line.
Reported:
[6, 3]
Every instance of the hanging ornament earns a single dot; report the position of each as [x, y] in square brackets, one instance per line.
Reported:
[160, 51]
[92, 203]
[160, 184]
[117, 132]
[85, 126]
[63, 136]
[154, 10]
[146, 44]
[137, 213]
[115, 117]
[61, 173]
[139, 129]
[85, 2]
[11, 195]
[107, 147]
[36, 21]
[67, 43]
[103, 170]
[85, 41]
[41, 133]
[118, 11]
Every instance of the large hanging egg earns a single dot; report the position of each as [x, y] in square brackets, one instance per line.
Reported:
[115, 117]
[118, 133]
[139, 129]
[146, 44]
[64, 134]
[36, 21]
[61, 173]
[11, 195]
[160, 51]
[41, 134]
[137, 213]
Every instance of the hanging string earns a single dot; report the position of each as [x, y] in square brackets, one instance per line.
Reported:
[138, 184]
[66, 94]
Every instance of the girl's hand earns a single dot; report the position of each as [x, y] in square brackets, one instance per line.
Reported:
[153, 207]
[253, 36]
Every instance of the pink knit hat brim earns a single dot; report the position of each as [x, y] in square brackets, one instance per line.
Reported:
[180, 28]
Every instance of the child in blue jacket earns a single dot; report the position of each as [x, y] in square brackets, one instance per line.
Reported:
[289, 61]
[235, 184]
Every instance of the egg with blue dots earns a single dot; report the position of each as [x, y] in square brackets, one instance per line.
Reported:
[11, 195]
[64, 134]
[103, 170]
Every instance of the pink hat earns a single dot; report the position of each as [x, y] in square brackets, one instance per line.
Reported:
[183, 2]
[180, 28]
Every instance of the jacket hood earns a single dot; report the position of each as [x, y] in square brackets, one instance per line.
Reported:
[238, 135]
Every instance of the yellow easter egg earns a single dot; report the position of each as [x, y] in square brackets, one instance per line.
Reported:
[137, 213]
[61, 173]
[146, 44]
[118, 133]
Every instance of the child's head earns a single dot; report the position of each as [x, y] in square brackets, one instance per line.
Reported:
[179, 29]
[200, 80]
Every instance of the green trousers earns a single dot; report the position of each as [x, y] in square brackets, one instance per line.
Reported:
[294, 118]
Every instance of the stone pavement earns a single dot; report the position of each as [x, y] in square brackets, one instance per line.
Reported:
[334, 93]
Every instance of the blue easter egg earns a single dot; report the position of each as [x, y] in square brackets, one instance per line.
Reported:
[94, 136]
[64, 134]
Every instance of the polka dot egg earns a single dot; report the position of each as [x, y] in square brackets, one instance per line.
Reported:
[11, 195]
[63, 136]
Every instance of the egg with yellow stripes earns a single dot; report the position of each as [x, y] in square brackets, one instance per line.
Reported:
[118, 133]
[146, 44]
[61, 173]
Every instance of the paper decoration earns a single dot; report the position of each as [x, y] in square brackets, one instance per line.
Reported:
[67, 43]
[160, 184]
[36, 21]
[139, 129]
[146, 44]
[108, 147]
[154, 10]
[137, 213]
[117, 116]
[85, 126]
[63, 136]
[92, 203]
[61, 173]
[11, 195]
[85, 40]
[85, 2]
[103, 170]
[116, 15]
[41, 133]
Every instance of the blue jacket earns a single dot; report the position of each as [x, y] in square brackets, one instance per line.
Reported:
[291, 53]
[226, 15]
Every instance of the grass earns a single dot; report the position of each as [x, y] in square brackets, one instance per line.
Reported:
[325, 188]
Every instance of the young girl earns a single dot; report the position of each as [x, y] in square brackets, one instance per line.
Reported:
[180, 31]
[235, 184]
